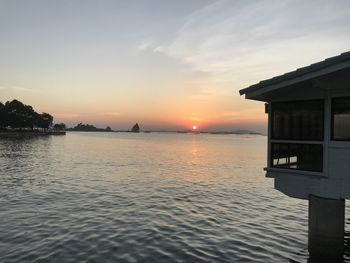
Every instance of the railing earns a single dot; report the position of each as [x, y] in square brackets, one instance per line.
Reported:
[298, 156]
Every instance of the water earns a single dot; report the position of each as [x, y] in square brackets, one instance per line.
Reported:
[120, 197]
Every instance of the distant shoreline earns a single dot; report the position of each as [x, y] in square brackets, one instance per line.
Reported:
[91, 128]
[179, 132]
[27, 133]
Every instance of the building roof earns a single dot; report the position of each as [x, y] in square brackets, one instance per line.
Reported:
[326, 66]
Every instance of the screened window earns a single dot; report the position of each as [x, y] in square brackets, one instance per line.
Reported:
[307, 157]
[341, 119]
[298, 120]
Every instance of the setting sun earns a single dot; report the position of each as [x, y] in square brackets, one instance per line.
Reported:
[194, 127]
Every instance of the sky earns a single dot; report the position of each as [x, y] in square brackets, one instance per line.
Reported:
[167, 65]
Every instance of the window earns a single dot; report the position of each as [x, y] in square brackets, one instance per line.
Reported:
[341, 119]
[298, 120]
[307, 157]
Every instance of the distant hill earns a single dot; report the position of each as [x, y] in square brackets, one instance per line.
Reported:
[238, 132]
[89, 128]
[136, 129]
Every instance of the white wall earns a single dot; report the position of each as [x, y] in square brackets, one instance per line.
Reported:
[334, 181]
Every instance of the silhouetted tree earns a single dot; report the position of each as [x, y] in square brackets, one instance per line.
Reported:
[85, 127]
[17, 115]
[108, 128]
[3, 116]
[45, 120]
[59, 126]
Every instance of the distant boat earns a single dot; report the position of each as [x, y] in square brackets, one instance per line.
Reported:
[135, 128]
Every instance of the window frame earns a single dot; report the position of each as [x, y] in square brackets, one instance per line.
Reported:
[299, 143]
[332, 120]
[272, 105]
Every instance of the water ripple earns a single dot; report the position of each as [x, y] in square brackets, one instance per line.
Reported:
[145, 198]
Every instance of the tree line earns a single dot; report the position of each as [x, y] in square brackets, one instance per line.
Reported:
[16, 115]
[88, 127]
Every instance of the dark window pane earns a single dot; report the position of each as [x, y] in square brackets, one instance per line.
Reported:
[298, 120]
[307, 157]
[341, 119]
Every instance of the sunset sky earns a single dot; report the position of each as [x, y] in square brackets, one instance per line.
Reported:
[164, 64]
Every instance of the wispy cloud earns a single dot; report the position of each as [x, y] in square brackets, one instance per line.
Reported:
[18, 89]
[204, 93]
[145, 45]
[242, 114]
[112, 114]
[232, 38]
[66, 115]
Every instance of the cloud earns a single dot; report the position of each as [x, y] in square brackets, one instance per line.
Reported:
[18, 89]
[66, 115]
[148, 44]
[196, 119]
[204, 93]
[145, 45]
[114, 114]
[235, 38]
[23, 89]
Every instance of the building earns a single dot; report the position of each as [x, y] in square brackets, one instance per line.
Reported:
[309, 142]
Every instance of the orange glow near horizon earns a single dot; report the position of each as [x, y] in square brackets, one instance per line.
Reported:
[209, 116]
[134, 71]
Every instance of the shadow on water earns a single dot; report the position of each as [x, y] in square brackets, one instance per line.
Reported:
[303, 254]
[22, 140]
[19, 156]
[14, 147]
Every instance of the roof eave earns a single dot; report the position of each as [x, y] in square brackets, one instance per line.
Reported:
[256, 92]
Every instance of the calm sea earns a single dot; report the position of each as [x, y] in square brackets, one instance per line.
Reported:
[148, 197]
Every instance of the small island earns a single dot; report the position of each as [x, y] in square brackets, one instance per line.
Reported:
[135, 128]
[89, 128]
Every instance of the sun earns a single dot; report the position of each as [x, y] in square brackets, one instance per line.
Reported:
[194, 127]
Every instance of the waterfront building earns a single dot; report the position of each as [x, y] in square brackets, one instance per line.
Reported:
[309, 144]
